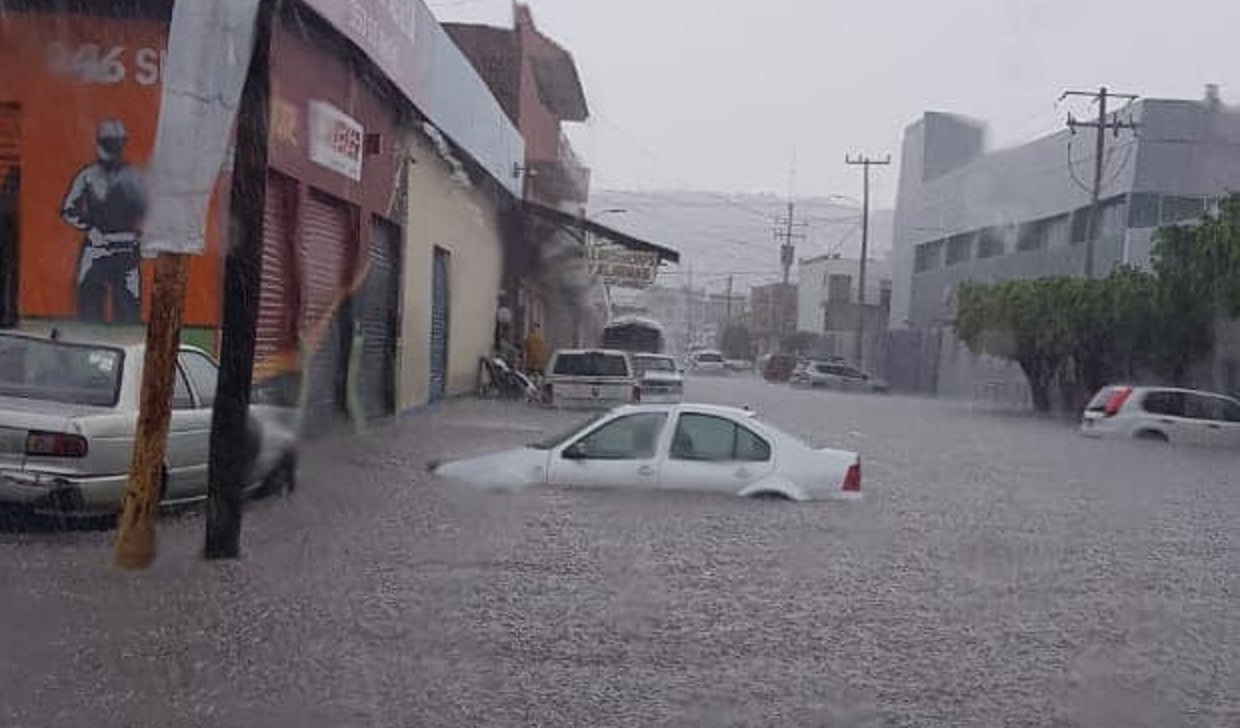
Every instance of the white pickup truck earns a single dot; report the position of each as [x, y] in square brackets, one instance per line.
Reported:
[590, 378]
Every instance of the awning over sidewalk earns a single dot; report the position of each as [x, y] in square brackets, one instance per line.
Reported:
[575, 225]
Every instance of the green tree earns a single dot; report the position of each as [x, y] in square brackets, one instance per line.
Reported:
[1185, 300]
[1020, 320]
[734, 342]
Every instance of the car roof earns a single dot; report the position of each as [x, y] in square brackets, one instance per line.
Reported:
[132, 344]
[1155, 388]
[610, 352]
[690, 407]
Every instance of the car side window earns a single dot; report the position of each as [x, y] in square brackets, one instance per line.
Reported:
[750, 447]
[1199, 407]
[1231, 411]
[203, 374]
[1170, 404]
[181, 399]
[634, 437]
[707, 438]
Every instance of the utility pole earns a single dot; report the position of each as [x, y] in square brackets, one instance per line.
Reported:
[865, 163]
[233, 453]
[729, 302]
[787, 231]
[135, 530]
[190, 146]
[1100, 126]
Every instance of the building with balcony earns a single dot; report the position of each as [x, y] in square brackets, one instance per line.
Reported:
[537, 83]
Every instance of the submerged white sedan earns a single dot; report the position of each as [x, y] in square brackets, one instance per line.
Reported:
[672, 446]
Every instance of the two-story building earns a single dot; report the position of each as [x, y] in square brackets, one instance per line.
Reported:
[967, 214]
[547, 279]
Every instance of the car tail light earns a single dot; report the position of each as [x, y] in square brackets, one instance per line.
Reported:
[55, 444]
[637, 393]
[852, 480]
[1117, 400]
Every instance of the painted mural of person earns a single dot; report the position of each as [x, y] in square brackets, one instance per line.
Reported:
[107, 201]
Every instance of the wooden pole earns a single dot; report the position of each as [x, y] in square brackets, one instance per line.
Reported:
[232, 455]
[135, 535]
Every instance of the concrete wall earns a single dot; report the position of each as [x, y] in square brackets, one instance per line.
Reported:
[813, 275]
[443, 212]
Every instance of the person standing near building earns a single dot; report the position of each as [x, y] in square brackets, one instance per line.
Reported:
[107, 202]
[535, 352]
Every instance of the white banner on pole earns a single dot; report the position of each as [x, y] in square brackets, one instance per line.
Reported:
[210, 43]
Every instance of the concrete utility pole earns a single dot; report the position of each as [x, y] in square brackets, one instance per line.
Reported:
[232, 455]
[865, 163]
[788, 230]
[1100, 126]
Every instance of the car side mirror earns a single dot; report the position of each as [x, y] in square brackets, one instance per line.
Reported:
[575, 451]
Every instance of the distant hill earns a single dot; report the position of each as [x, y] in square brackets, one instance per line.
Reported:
[721, 234]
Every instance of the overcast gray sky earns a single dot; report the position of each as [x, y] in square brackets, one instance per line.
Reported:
[716, 94]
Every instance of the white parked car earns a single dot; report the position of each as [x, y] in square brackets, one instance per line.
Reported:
[590, 378]
[707, 361]
[68, 414]
[835, 375]
[1164, 414]
[659, 378]
[666, 446]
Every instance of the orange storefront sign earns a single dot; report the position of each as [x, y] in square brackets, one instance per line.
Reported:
[86, 92]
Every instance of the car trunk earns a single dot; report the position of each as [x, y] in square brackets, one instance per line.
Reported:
[19, 417]
[588, 390]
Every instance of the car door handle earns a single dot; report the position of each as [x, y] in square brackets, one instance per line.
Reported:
[645, 470]
[1212, 426]
[742, 472]
[1166, 421]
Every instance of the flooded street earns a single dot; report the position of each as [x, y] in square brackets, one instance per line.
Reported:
[1001, 570]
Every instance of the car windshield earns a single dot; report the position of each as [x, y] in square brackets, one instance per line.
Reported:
[52, 371]
[710, 357]
[645, 364]
[591, 364]
[562, 436]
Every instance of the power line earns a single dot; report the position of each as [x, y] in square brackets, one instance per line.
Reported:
[787, 231]
[1100, 128]
[865, 163]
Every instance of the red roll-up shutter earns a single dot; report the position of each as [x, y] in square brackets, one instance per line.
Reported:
[10, 141]
[275, 331]
[323, 248]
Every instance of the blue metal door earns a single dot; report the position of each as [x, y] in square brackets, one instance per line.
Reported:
[439, 325]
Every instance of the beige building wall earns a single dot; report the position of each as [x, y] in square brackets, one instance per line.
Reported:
[444, 212]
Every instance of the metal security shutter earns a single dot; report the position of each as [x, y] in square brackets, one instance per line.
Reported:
[439, 326]
[376, 380]
[10, 140]
[323, 250]
[10, 182]
[275, 331]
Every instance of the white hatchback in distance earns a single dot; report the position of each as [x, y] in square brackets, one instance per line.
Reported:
[707, 361]
[668, 446]
[1163, 414]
